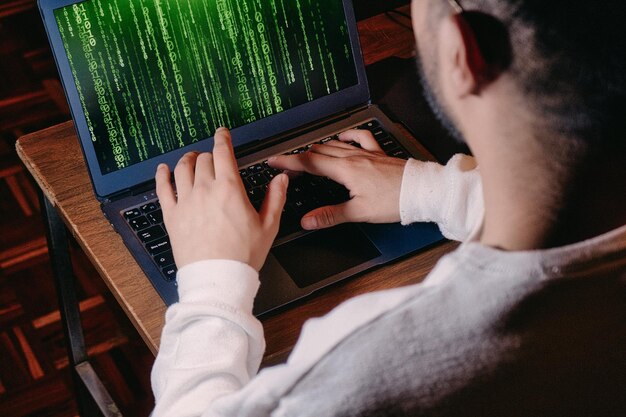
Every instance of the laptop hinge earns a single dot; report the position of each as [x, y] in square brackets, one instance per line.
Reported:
[259, 145]
[129, 192]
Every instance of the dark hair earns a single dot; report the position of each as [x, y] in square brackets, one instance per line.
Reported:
[569, 59]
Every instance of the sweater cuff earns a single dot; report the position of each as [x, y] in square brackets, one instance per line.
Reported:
[422, 193]
[218, 281]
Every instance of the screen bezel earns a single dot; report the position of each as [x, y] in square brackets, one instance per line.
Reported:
[142, 172]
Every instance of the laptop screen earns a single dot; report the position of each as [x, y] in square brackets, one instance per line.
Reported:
[154, 76]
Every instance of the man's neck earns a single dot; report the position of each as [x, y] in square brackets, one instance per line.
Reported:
[537, 198]
[540, 190]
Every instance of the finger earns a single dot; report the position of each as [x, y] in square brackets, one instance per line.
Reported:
[164, 188]
[329, 216]
[339, 144]
[335, 151]
[365, 138]
[274, 202]
[224, 155]
[205, 170]
[311, 162]
[184, 174]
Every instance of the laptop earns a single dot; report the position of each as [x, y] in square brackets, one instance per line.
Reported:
[150, 80]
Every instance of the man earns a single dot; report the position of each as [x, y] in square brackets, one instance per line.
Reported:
[526, 318]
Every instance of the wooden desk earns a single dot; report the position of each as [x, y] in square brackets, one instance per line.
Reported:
[54, 159]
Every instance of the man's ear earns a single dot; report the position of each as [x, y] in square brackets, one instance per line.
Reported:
[484, 50]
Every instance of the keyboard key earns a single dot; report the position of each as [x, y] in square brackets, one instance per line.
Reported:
[164, 259]
[299, 150]
[270, 174]
[147, 208]
[257, 180]
[254, 169]
[151, 234]
[379, 133]
[169, 272]
[299, 207]
[399, 153]
[158, 246]
[132, 213]
[388, 144]
[139, 223]
[297, 189]
[156, 217]
[256, 195]
[268, 170]
[371, 125]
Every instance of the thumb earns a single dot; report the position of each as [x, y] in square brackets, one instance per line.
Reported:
[328, 216]
[274, 202]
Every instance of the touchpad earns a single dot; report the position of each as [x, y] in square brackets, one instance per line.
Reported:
[322, 254]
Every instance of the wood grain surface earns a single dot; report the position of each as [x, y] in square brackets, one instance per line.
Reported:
[54, 158]
[383, 37]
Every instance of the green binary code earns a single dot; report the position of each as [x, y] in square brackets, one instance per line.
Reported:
[156, 75]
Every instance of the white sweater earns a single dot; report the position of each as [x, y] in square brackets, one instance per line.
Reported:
[212, 345]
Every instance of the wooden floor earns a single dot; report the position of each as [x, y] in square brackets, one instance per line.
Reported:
[34, 377]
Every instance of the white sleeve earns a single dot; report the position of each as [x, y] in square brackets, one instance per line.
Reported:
[211, 345]
[449, 195]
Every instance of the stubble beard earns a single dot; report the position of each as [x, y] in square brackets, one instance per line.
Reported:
[431, 95]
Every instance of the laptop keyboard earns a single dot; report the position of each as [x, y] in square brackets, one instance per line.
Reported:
[305, 193]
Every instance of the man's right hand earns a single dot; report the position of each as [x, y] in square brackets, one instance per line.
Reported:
[373, 178]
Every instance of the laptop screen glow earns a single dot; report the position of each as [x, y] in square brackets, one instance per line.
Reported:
[154, 76]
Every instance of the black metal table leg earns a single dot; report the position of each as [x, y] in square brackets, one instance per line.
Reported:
[91, 395]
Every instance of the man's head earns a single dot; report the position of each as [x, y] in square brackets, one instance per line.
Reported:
[558, 65]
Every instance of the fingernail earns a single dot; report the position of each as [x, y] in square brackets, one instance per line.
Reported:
[161, 166]
[271, 159]
[309, 223]
[284, 179]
